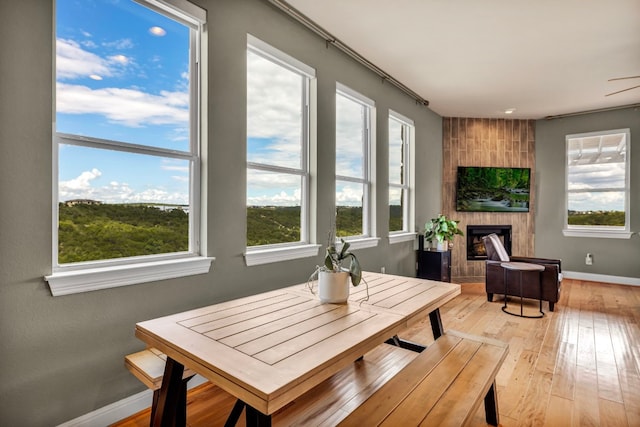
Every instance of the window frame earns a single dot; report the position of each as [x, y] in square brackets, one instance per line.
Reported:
[408, 221]
[368, 237]
[264, 254]
[102, 274]
[611, 232]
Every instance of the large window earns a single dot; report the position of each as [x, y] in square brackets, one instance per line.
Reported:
[597, 184]
[126, 134]
[354, 116]
[278, 120]
[400, 136]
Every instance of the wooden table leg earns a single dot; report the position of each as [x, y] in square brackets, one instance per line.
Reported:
[256, 418]
[171, 398]
[436, 324]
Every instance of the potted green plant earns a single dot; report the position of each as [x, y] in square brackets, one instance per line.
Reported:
[441, 229]
[339, 266]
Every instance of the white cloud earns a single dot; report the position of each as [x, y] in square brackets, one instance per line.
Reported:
[86, 186]
[167, 167]
[274, 111]
[127, 107]
[349, 137]
[73, 62]
[349, 195]
[280, 199]
[80, 184]
[119, 44]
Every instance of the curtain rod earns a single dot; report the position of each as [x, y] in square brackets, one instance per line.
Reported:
[600, 110]
[330, 39]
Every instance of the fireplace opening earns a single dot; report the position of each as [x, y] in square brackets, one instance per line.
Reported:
[475, 246]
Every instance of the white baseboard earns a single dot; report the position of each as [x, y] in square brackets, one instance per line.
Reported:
[619, 280]
[121, 409]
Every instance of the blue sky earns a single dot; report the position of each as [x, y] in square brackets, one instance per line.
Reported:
[121, 74]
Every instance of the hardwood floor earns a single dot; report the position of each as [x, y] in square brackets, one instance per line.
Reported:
[577, 366]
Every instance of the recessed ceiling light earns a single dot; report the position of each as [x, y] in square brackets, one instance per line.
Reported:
[509, 110]
[157, 31]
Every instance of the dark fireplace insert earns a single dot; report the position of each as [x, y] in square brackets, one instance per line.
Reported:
[475, 246]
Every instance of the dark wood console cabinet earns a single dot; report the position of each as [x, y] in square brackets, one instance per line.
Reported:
[434, 265]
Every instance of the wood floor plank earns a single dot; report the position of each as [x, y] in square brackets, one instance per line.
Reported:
[559, 412]
[612, 414]
[585, 409]
[577, 366]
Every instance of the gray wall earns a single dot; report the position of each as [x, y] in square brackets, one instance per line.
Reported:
[62, 357]
[615, 257]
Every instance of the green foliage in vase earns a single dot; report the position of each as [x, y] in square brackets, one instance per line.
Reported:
[441, 229]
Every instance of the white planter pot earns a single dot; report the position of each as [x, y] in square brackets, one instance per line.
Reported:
[333, 287]
[442, 246]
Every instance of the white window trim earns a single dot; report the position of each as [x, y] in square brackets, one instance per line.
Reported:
[263, 254]
[408, 211]
[258, 255]
[93, 279]
[596, 232]
[359, 243]
[402, 236]
[91, 276]
[368, 181]
[602, 231]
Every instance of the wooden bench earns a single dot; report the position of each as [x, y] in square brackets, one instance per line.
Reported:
[148, 366]
[443, 386]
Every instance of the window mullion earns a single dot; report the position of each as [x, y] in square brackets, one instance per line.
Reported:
[84, 141]
[273, 168]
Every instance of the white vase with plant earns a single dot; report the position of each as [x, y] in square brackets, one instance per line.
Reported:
[340, 267]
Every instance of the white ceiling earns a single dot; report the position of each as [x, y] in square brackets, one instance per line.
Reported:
[476, 58]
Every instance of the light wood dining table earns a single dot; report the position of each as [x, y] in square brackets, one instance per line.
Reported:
[270, 348]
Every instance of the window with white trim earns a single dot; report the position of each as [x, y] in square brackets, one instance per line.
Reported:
[126, 141]
[597, 184]
[401, 131]
[354, 118]
[278, 118]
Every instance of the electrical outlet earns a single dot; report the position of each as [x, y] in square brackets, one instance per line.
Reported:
[383, 270]
[589, 259]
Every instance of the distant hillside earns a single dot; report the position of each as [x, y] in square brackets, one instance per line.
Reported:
[89, 232]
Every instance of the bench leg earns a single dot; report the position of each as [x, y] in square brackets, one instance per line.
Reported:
[491, 406]
[169, 407]
[154, 405]
[436, 324]
[407, 345]
[182, 410]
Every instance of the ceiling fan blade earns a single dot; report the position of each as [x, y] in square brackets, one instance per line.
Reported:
[624, 78]
[623, 90]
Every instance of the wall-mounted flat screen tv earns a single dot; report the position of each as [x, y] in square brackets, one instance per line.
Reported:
[492, 189]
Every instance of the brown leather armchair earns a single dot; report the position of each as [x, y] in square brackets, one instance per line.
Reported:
[551, 277]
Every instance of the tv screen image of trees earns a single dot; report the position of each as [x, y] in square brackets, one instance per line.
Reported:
[492, 189]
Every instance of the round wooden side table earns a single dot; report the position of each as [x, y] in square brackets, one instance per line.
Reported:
[520, 267]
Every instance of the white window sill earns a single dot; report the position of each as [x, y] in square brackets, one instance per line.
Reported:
[597, 233]
[360, 243]
[257, 256]
[402, 237]
[93, 279]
